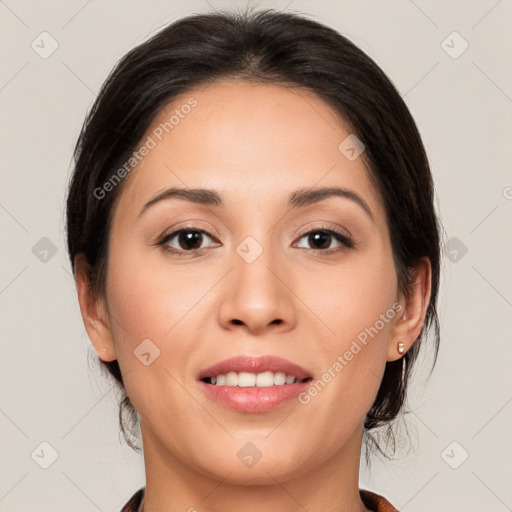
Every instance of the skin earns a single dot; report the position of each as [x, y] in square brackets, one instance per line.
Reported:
[254, 144]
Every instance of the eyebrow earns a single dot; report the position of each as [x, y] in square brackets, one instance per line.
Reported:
[299, 198]
[307, 196]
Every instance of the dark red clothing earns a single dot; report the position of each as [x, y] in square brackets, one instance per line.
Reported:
[370, 499]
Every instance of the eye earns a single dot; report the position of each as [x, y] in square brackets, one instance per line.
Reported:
[321, 240]
[185, 240]
[194, 240]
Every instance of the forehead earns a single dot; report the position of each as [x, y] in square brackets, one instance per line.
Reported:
[252, 142]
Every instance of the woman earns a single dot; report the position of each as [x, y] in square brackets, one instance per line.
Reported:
[252, 231]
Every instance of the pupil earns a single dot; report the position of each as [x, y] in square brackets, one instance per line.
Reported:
[318, 238]
[190, 240]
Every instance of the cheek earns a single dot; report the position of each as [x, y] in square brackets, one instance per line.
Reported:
[358, 304]
[351, 297]
[150, 299]
[148, 311]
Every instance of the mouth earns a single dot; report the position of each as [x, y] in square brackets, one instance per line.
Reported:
[247, 371]
[249, 384]
[258, 380]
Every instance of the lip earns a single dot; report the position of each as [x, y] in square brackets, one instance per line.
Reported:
[255, 365]
[254, 399]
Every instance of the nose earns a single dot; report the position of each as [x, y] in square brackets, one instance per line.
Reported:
[258, 296]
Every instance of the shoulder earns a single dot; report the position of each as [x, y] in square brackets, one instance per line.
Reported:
[376, 502]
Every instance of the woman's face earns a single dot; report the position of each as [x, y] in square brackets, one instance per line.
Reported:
[258, 270]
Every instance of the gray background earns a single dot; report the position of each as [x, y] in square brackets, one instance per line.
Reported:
[51, 392]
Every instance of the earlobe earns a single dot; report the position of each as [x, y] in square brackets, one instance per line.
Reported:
[408, 326]
[94, 314]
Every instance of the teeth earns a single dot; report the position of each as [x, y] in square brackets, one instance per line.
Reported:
[246, 379]
[290, 379]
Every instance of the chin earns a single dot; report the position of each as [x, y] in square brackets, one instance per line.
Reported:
[248, 467]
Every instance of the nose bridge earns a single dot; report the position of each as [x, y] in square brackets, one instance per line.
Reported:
[254, 296]
[255, 251]
[253, 261]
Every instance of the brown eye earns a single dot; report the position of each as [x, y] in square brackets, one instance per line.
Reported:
[322, 240]
[186, 240]
[190, 240]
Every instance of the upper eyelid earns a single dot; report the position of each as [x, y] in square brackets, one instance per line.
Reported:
[324, 228]
[203, 230]
[175, 232]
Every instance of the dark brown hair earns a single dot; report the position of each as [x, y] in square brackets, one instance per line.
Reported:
[269, 47]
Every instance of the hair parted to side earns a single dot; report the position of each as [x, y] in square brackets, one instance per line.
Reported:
[280, 48]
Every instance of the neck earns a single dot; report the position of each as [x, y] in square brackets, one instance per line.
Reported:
[172, 485]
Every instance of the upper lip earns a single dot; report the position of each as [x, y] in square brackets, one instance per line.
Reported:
[259, 364]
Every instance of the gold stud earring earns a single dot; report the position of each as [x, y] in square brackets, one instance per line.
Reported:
[401, 348]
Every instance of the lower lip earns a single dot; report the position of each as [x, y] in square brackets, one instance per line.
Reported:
[253, 399]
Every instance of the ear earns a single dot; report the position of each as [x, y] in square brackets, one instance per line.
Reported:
[94, 313]
[411, 317]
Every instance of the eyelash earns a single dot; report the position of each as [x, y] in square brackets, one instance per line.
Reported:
[345, 241]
